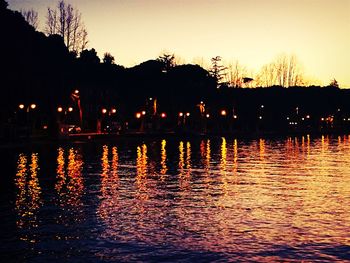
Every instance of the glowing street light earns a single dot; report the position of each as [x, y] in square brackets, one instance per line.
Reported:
[187, 114]
[208, 115]
[163, 115]
[235, 116]
[62, 110]
[260, 117]
[76, 91]
[138, 115]
[143, 112]
[31, 106]
[223, 113]
[181, 114]
[104, 111]
[114, 111]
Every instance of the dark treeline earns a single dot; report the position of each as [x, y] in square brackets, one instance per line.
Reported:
[39, 69]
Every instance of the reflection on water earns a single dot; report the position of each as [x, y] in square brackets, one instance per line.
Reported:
[28, 191]
[184, 165]
[69, 184]
[163, 160]
[141, 177]
[262, 200]
[109, 185]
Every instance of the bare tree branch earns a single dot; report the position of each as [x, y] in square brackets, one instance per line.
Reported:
[31, 16]
[66, 21]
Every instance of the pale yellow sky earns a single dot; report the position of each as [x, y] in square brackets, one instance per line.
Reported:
[250, 31]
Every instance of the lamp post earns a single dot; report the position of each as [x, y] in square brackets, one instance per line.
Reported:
[67, 121]
[107, 123]
[28, 107]
[75, 96]
[25, 117]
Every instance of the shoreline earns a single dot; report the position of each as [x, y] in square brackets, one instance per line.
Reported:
[104, 137]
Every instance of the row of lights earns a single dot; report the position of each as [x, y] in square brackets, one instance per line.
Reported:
[303, 118]
[331, 118]
[138, 115]
[181, 114]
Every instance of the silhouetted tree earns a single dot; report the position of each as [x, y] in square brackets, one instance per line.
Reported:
[31, 16]
[168, 61]
[334, 83]
[108, 58]
[217, 70]
[236, 74]
[3, 4]
[66, 21]
[89, 57]
[247, 80]
[283, 71]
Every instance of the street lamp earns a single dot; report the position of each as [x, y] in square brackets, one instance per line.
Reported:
[223, 113]
[29, 107]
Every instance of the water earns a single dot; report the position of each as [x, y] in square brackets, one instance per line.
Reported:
[172, 199]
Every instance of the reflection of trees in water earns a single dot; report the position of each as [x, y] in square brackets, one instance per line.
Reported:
[28, 199]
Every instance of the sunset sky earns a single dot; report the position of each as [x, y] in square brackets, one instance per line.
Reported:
[253, 32]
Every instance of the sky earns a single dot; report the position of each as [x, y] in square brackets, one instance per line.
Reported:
[252, 32]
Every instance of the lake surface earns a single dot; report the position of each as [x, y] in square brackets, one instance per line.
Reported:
[177, 200]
